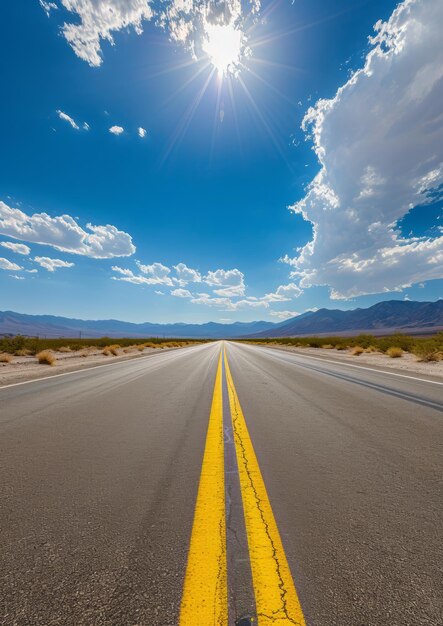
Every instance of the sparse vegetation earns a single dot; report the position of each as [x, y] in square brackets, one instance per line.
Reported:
[34, 345]
[357, 351]
[426, 349]
[395, 352]
[46, 357]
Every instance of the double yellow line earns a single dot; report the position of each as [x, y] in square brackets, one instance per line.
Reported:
[205, 592]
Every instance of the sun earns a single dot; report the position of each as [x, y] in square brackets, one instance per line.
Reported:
[224, 45]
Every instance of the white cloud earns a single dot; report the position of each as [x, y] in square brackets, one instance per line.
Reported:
[51, 264]
[19, 248]
[64, 233]
[229, 283]
[155, 274]
[283, 293]
[8, 265]
[203, 27]
[216, 30]
[159, 293]
[284, 315]
[48, 6]
[181, 293]
[68, 118]
[17, 277]
[86, 126]
[97, 20]
[116, 130]
[380, 145]
[142, 132]
[186, 274]
[226, 304]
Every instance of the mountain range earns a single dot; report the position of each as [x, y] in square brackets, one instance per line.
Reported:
[381, 318]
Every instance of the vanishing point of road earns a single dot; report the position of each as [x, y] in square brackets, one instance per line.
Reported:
[222, 484]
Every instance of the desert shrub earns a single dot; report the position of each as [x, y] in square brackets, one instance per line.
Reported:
[327, 346]
[106, 352]
[141, 347]
[357, 350]
[23, 352]
[5, 358]
[394, 352]
[429, 351]
[64, 349]
[371, 349]
[45, 357]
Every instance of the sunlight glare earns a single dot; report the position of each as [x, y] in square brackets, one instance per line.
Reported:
[224, 46]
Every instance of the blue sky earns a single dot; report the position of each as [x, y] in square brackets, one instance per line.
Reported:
[186, 141]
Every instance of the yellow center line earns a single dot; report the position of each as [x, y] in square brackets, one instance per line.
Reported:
[205, 596]
[276, 599]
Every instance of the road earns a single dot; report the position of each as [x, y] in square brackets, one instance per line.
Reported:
[197, 486]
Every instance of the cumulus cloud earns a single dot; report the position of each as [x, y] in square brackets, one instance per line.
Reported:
[227, 304]
[181, 293]
[67, 118]
[229, 283]
[142, 132]
[186, 274]
[116, 130]
[379, 142]
[96, 21]
[200, 26]
[65, 234]
[283, 293]
[284, 315]
[19, 248]
[155, 274]
[51, 264]
[208, 27]
[9, 265]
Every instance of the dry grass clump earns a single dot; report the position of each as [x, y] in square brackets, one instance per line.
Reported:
[371, 349]
[108, 350]
[24, 352]
[429, 356]
[84, 354]
[141, 347]
[357, 351]
[45, 357]
[327, 346]
[5, 358]
[394, 352]
[340, 346]
[64, 349]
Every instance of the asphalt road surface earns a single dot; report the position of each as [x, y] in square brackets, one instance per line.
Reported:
[205, 485]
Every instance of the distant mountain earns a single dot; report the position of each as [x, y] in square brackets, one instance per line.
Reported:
[393, 315]
[12, 323]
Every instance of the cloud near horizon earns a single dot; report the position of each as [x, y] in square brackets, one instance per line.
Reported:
[65, 234]
[379, 142]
